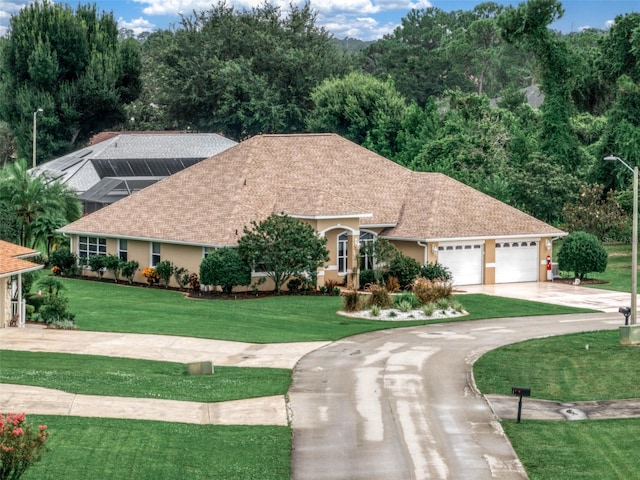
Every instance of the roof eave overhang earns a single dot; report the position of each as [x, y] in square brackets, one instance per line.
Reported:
[487, 237]
[144, 239]
[21, 271]
[331, 217]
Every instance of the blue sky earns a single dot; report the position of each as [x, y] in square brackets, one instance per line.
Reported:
[364, 19]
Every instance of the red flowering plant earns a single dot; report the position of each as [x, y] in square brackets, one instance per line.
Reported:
[57, 271]
[20, 445]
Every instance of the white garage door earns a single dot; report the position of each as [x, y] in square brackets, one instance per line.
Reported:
[464, 261]
[517, 261]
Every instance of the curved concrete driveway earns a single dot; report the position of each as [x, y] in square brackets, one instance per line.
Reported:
[401, 403]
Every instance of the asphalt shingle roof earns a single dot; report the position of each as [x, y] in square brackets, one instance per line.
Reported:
[307, 175]
[11, 261]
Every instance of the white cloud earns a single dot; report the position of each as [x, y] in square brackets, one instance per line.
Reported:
[7, 9]
[608, 24]
[137, 25]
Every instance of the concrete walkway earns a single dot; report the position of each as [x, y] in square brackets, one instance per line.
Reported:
[257, 411]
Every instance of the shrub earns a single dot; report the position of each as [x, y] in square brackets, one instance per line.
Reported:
[406, 297]
[324, 290]
[431, 290]
[114, 265]
[51, 285]
[21, 445]
[404, 268]
[582, 253]
[164, 270]
[30, 310]
[457, 306]
[405, 306]
[181, 276]
[151, 275]
[336, 291]
[392, 284]
[331, 284]
[351, 302]
[375, 310]
[379, 296]
[35, 300]
[367, 277]
[64, 260]
[435, 271]
[97, 264]
[294, 285]
[443, 304]
[55, 310]
[128, 270]
[194, 283]
[429, 309]
[225, 268]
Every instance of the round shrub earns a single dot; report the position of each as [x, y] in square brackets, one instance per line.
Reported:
[582, 253]
[435, 271]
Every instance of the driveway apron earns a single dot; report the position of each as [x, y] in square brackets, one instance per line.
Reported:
[401, 404]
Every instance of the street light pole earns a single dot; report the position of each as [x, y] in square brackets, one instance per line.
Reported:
[634, 240]
[35, 127]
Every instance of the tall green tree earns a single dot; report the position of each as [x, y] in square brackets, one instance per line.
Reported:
[361, 108]
[528, 25]
[70, 64]
[283, 247]
[242, 72]
[39, 205]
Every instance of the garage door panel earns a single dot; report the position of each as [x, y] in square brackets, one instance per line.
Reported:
[464, 261]
[517, 261]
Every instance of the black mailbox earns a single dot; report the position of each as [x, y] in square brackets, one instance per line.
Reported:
[626, 311]
[521, 391]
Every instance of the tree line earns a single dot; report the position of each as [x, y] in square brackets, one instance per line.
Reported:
[444, 92]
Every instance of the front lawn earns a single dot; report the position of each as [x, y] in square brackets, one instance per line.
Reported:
[102, 306]
[86, 448]
[124, 377]
[585, 450]
[583, 366]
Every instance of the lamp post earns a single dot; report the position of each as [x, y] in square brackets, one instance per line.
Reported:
[35, 127]
[634, 241]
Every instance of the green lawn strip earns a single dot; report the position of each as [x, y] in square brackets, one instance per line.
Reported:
[102, 306]
[123, 377]
[563, 368]
[586, 450]
[82, 448]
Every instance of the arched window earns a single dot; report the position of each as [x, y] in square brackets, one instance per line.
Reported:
[367, 261]
[343, 252]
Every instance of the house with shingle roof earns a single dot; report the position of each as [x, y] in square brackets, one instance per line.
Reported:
[116, 164]
[347, 193]
[13, 264]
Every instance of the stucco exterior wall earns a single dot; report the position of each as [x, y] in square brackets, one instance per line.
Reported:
[489, 262]
[5, 302]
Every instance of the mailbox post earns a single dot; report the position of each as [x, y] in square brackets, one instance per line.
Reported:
[520, 392]
[626, 311]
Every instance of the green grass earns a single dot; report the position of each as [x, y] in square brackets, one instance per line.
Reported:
[584, 450]
[119, 308]
[562, 368]
[86, 448]
[123, 377]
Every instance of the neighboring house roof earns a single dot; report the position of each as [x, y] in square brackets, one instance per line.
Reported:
[12, 259]
[129, 156]
[308, 176]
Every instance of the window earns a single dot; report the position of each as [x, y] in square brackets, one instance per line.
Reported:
[367, 261]
[88, 246]
[155, 253]
[122, 249]
[343, 248]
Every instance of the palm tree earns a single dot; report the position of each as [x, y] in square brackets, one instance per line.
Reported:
[32, 197]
